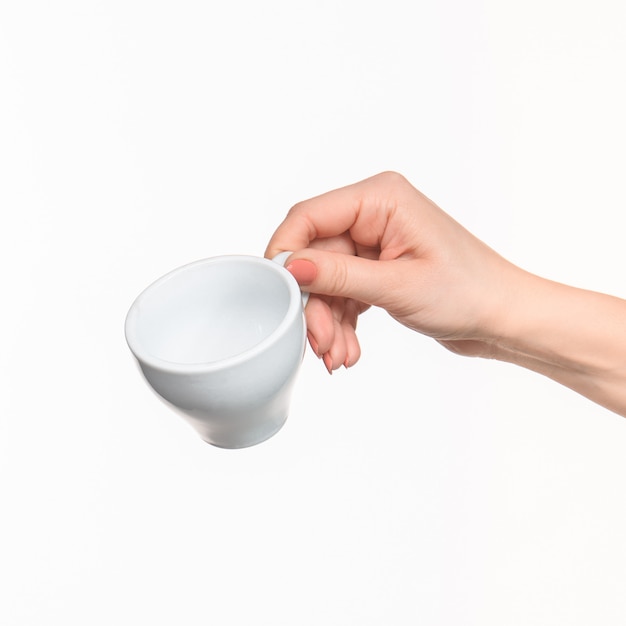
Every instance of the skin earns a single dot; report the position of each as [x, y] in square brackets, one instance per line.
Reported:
[380, 242]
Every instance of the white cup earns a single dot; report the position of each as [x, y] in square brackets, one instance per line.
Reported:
[221, 341]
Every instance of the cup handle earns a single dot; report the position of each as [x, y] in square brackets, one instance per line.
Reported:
[280, 258]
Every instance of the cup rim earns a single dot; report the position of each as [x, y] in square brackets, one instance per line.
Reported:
[145, 357]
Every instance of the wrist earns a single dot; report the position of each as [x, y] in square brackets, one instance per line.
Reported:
[574, 336]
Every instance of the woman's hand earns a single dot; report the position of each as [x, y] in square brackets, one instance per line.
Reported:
[381, 242]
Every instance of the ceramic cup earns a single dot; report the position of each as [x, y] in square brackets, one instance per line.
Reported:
[221, 341]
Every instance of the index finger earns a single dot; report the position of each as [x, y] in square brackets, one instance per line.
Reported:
[335, 212]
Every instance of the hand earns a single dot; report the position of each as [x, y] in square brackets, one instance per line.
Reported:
[381, 242]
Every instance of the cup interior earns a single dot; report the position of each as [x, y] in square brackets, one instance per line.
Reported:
[212, 310]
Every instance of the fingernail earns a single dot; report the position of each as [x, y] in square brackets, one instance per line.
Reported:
[303, 271]
[328, 362]
[314, 345]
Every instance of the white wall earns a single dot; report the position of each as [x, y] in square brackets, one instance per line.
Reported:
[417, 488]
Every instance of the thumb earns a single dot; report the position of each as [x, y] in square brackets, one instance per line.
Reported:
[337, 274]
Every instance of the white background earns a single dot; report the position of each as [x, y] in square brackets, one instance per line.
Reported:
[418, 487]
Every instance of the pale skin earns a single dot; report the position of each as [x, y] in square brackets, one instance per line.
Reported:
[380, 242]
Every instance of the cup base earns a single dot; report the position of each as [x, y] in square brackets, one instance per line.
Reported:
[238, 445]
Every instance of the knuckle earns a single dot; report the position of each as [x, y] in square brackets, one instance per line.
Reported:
[299, 214]
[295, 209]
[392, 178]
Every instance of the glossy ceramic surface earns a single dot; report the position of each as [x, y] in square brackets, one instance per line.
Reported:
[221, 341]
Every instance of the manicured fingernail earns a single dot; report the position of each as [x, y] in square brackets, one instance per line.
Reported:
[303, 271]
[314, 345]
[346, 363]
[328, 362]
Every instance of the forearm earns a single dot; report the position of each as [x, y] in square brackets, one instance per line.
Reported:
[574, 336]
